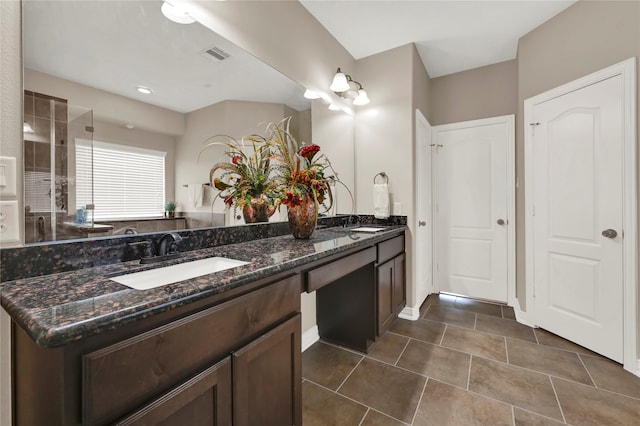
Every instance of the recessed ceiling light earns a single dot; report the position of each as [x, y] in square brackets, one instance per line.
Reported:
[334, 107]
[310, 94]
[144, 90]
[129, 126]
[176, 13]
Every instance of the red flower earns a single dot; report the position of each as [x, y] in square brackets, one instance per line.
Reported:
[237, 159]
[308, 151]
[228, 200]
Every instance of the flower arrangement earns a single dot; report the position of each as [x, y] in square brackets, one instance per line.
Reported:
[302, 171]
[245, 182]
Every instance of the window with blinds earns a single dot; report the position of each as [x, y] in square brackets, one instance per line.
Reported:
[128, 182]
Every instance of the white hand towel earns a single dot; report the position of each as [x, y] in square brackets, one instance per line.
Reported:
[381, 200]
[195, 194]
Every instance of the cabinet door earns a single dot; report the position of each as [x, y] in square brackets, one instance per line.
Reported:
[203, 400]
[399, 292]
[267, 378]
[386, 308]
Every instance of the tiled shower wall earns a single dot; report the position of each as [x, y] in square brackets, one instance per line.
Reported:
[42, 117]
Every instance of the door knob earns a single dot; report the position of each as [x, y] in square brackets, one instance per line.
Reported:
[422, 223]
[500, 222]
[609, 233]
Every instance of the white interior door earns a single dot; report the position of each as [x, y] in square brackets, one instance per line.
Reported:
[424, 222]
[472, 207]
[578, 216]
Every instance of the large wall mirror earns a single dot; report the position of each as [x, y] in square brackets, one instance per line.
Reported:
[86, 65]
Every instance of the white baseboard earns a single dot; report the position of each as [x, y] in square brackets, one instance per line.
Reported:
[309, 337]
[410, 313]
[521, 316]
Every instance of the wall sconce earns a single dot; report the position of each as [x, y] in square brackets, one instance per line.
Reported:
[346, 87]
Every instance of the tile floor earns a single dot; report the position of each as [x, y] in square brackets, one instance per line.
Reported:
[466, 362]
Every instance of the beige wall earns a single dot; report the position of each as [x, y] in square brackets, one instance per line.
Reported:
[384, 136]
[233, 118]
[488, 91]
[10, 137]
[107, 107]
[586, 37]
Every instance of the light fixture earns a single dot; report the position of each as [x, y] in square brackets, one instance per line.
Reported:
[310, 94]
[143, 89]
[334, 107]
[339, 83]
[346, 87]
[362, 98]
[26, 127]
[176, 13]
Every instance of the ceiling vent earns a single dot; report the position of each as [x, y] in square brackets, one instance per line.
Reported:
[215, 54]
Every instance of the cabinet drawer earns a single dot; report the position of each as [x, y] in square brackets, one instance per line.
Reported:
[324, 275]
[121, 377]
[390, 248]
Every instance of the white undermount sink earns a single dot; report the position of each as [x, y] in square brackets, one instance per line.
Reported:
[158, 277]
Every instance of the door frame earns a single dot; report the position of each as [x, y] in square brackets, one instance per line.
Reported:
[627, 69]
[413, 312]
[509, 121]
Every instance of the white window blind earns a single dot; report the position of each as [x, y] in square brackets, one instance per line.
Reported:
[128, 182]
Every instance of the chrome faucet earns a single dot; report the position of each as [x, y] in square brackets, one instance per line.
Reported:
[168, 243]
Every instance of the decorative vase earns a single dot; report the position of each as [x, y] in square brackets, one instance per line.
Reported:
[258, 210]
[303, 218]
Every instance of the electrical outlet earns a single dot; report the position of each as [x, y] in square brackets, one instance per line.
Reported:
[8, 177]
[9, 234]
[397, 209]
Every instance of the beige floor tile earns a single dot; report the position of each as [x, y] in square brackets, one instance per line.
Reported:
[328, 365]
[508, 313]
[321, 407]
[504, 327]
[475, 343]
[440, 363]
[547, 360]
[373, 418]
[513, 385]
[389, 348]
[388, 389]
[451, 316]
[476, 306]
[611, 376]
[584, 405]
[527, 418]
[427, 331]
[445, 405]
[550, 339]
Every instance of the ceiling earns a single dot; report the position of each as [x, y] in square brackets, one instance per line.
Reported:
[450, 36]
[118, 45]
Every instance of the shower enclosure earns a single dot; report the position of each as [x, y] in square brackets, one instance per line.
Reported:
[57, 137]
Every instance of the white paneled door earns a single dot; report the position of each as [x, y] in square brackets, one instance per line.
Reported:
[424, 226]
[578, 217]
[472, 207]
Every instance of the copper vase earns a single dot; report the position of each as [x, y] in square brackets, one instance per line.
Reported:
[302, 218]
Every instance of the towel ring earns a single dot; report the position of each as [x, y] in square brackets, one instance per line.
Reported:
[382, 175]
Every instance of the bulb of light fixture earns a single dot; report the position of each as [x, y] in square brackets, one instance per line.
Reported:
[26, 127]
[144, 90]
[310, 94]
[176, 13]
[362, 98]
[339, 83]
[334, 107]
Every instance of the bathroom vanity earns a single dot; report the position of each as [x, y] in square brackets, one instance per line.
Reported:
[223, 348]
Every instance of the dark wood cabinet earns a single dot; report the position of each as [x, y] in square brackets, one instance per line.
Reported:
[391, 285]
[267, 378]
[203, 400]
[185, 371]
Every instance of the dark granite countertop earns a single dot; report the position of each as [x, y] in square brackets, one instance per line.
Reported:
[61, 308]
